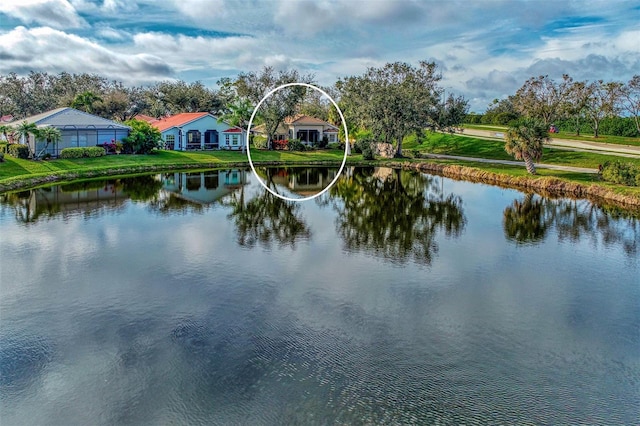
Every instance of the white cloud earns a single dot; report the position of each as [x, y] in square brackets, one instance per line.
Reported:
[55, 51]
[53, 13]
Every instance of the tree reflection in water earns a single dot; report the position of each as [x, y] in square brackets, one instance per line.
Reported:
[394, 214]
[529, 220]
[266, 219]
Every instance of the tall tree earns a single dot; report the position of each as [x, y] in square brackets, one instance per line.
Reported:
[85, 101]
[601, 102]
[25, 130]
[630, 99]
[525, 139]
[577, 102]
[450, 114]
[281, 104]
[542, 98]
[393, 101]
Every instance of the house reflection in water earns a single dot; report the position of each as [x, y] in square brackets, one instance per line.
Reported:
[82, 197]
[304, 181]
[204, 187]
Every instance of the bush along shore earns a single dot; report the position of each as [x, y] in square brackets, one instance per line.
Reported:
[544, 185]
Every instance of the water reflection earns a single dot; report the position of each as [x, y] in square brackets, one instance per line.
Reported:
[266, 219]
[528, 221]
[395, 214]
[297, 182]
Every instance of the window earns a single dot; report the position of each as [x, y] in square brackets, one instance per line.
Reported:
[226, 139]
[235, 139]
[170, 141]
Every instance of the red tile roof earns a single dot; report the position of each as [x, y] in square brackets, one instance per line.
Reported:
[233, 130]
[177, 120]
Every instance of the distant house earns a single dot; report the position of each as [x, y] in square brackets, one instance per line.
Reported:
[199, 130]
[78, 129]
[309, 130]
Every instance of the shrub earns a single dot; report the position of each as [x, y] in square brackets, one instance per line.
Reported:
[365, 147]
[83, 152]
[280, 144]
[259, 142]
[324, 142]
[46, 156]
[72, 153]
[94, 151]
[1, 157]
[296, 145]
[4, 147]
[142, 139]
[19, 151]
[622, 173]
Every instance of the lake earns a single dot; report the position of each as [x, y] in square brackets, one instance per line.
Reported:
[393, 298]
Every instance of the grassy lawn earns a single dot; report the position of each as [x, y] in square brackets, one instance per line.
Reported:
[617, 140]
[438, 143]
[13, 167]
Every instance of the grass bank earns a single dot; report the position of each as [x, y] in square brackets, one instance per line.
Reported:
[439, 143]
[617, 140]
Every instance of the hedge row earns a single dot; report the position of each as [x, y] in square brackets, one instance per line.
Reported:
[622, 173]
[92, 151]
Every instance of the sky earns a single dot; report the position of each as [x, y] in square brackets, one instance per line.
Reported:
[484, 49]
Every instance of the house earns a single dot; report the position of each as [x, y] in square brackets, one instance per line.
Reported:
[78, 129]
[199, 130]
[309, 130]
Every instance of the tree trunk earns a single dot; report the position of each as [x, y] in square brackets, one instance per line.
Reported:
[399, 149]
[528, 162]
[595, 129]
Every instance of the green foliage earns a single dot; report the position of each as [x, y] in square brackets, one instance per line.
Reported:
[612, 126]
[324, 142]
[72, 153]
[4, 147]
[336, 145]
[524, 140]
[259, 142]
[473, 118]
[1, 157]
[622, 173]
[296, 145]
[364, 146]
[19, 150]
[83, 152]
[142, 139]
[392, 101]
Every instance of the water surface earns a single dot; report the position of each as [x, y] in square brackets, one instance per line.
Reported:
[397, 298]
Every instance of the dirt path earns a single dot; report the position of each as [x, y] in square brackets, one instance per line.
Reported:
[511, 163]
[585, 146]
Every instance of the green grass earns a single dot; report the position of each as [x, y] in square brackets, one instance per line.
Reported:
[438, 143]
[13, 167]
[616, 140]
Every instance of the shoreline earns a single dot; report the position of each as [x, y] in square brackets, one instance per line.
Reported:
[546, 186]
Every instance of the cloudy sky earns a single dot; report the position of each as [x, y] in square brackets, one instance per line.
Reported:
[485, 49]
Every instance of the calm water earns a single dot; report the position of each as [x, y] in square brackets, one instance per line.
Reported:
[199, 298]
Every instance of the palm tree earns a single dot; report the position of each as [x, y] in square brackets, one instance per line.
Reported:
[25, 129]
[8, 132]
[51, 135]
[84, 101]
[524, 141]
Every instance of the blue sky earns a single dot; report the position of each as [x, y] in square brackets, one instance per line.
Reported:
[485, 49]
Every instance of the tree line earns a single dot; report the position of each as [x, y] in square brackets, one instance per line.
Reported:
[384, 104]
[571, 105]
